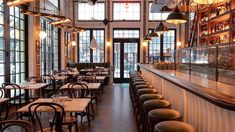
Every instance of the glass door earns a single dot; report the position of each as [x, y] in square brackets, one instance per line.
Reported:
[126, 57]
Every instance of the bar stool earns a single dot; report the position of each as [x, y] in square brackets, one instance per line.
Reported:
[158, 115]
[173, 126]
[150, 105]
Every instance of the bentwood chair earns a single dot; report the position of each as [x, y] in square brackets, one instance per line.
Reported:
[17, 126]
[51, 89]
[15, 93]
[34, 94]
[3, 95]
[55, 113]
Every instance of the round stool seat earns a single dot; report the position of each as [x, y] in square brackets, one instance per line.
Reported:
[146, 91]
[155, 104]
[163, 115]
[146, 97]
[142, 86]
[173, 126]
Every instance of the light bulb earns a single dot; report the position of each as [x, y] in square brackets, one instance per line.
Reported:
[178, 44]
[126, 6]
[74, 43]
[144, 44]
[42, 34]
[108, 44]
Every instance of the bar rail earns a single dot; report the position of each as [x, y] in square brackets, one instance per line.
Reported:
[212, 95]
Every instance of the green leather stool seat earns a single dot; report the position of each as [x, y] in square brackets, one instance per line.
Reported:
[146, 97]
[163, 114]
[155, 104]
[173, 126]
[146, 91]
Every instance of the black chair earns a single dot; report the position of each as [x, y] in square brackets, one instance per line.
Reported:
[51, 89]
[56, 112]
[25, 126]
[83, 92]
[3, 95]
[34, 94]
[14, 92]
[90, 78]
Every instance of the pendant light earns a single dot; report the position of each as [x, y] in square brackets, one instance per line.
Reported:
[42, 34]
[153, 34]
[146, 38]
[209, 2]
[161, 28]
[93, 44]
[176, 17]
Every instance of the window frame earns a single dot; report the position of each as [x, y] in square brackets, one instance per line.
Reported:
[91, 51]
[162, 42]
[42, 70]
[125, 20]
[150, 2]
[92, 19]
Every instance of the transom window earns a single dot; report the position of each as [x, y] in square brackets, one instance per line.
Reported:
[126, 11]
[87, 12]
[86, 55]
[158, 15]
[132, 33]
[49, 48]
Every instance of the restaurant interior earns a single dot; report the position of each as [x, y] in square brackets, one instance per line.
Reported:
[117, 65]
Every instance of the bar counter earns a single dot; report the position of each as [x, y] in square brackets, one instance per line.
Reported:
[208, 105]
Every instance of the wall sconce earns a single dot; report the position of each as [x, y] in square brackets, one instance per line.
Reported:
[42, 34]
[145, 44]
[108, 44]
[178, 44]
[74, 43]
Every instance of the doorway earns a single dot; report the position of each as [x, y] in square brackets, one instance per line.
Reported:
[125, 59]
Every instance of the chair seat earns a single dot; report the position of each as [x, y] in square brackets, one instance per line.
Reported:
[67, 120]
[173, 126]
[163, 114]
[146, 97]
[155, 104]
[141, 86]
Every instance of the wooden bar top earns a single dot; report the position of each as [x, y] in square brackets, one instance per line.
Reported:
[220, 94]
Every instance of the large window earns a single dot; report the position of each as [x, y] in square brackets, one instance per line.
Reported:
[49, 48]
[17, 45]
[86, 55]
[55, 3]
[87, 12]
[126, 11]
[12, 52]
[168, 41]
[2, 44]
[157, 16]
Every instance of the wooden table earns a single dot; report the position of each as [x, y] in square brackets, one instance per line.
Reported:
[69, 104]
[2, 100]
[91, 86]
[31, 86]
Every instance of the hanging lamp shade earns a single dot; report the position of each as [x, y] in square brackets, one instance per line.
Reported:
[146, 38]
[208, 1]
[93, 44]
[153, 34]
[176, 17]
[161, 28]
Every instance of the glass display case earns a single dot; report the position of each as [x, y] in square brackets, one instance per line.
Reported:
[212, 62]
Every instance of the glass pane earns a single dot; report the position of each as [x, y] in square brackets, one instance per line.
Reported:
[13, 70]
[2, 69]
[1, 31]
[126, 11]
[2, 44]
[126, 33]
[98, 53]
[2, 56]
[157, 15]
[130, 58]
[84, 46]
[117, 58]
[87, 12]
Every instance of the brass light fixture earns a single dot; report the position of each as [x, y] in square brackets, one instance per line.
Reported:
[59, 21]
[17, 2]
[208, 1]
[36, 13]
[176, 17]
[153, 34]
[161, 28]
